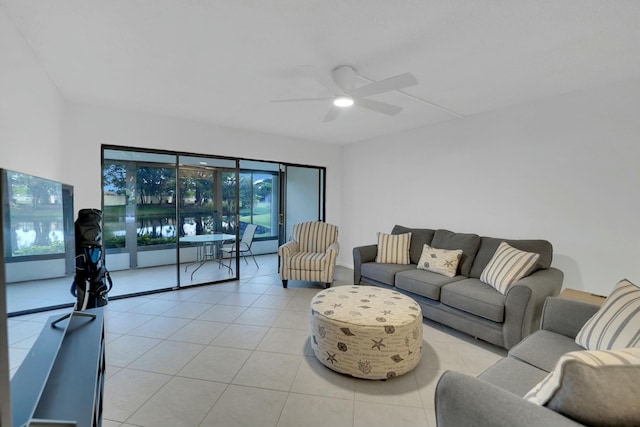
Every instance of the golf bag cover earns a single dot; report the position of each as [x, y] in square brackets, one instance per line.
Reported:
[92, 282]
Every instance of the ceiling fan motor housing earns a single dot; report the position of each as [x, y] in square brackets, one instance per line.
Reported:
[345, 77]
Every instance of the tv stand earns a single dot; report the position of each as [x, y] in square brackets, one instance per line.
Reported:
[61, 381]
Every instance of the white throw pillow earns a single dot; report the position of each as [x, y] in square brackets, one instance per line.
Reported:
[617, 323]
[393, 248]
[507, 266]
[443, 261]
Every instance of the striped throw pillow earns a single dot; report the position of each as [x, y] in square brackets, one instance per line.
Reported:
[393, 248]
[617, 323]
[507, 266]
[595, 387]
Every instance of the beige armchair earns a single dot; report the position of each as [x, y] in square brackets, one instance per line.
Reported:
[311, 253]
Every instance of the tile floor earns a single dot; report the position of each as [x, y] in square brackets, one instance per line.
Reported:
[238, 354]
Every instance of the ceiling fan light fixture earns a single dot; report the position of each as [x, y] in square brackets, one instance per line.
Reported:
[343, 101]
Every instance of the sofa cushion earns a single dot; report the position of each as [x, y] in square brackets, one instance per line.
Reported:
[393, 248]
[617, 323]
[514, 375]
[507, 266]
[424, 283]
[384, 273]
[475, 297]
[442, 261]
[593, 387]
[542, 349]
[489, 245]
[419, 238]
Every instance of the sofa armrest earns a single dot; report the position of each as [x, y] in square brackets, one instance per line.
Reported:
[566, 317]
[362, 254]
[462, 400]
[524, 302]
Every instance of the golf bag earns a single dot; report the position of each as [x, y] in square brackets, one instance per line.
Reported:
[92, 282]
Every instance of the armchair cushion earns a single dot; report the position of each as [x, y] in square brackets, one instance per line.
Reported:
[308, 261]
[315, 236]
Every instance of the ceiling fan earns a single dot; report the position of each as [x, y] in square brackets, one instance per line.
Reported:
[341, 83]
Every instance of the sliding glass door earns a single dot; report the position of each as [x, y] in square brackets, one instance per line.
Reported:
[177, 219]
[207, 218]
[166, 218]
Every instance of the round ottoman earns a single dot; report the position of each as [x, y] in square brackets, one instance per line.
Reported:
[366, 331]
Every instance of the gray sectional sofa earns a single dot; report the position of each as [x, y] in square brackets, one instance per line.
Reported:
[495, 397]
[464, 302]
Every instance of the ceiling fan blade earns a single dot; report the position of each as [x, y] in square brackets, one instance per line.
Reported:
[299, 100]
[392, 83]
[324, 79]
[332, 114]
[378, 107]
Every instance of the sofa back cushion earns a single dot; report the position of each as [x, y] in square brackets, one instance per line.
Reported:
[419, 237]
[489, 245]
[469, 243]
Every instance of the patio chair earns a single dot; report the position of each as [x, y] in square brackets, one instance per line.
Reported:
[244, 247]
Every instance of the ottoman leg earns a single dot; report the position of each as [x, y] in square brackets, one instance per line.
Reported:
[327, 285]
[284, 283]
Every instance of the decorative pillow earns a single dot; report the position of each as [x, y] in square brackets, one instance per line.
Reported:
[593, 387]
[393, 248]
[617, 323]
[507, 266]
[443, 261]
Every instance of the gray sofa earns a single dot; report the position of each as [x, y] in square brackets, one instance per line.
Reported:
[494, 398]
[463, 302]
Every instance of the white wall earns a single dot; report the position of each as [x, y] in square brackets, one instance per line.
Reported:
[565, 169]
[87, 127]
[31, 109]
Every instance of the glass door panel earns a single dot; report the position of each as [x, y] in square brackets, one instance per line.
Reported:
[302, 197]
[207, 209]
[139, 229]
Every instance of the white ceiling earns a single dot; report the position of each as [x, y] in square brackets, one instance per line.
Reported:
[222, 61]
